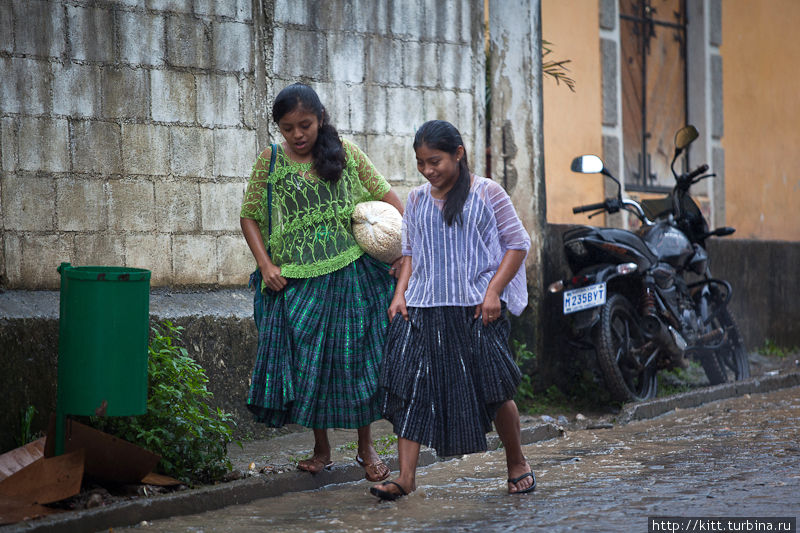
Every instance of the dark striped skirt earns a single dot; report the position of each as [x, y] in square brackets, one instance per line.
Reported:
[320, 343]
[444, 375]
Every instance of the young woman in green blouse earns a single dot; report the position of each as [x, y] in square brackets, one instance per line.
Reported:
[320, 304]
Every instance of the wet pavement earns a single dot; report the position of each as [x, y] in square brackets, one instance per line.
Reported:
[738, 457]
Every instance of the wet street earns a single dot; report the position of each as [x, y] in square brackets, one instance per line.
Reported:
[732, 458]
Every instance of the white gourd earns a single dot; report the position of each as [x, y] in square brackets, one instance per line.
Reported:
[377, 227]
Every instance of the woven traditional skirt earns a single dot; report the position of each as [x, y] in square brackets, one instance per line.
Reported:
[320, 343]
[444, 375]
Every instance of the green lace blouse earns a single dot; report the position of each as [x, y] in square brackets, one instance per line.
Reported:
[311, 227]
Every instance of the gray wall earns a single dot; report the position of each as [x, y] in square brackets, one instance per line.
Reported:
[128, 128]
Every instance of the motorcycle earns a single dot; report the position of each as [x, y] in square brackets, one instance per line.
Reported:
[645, 300]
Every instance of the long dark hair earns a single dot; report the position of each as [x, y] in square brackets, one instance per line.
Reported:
[327, 153]
[441, 135]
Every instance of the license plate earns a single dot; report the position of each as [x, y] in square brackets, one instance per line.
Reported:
[584, 298]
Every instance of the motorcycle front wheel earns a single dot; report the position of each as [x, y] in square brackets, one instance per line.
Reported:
[618, 338]
[729, 361]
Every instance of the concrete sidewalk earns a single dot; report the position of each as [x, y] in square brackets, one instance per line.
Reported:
[273, 472]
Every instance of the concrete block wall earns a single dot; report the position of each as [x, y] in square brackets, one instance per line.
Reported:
[382, 68]
[128, 127]
[126, 138]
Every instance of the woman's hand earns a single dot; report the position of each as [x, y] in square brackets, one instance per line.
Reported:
[272, 277]
[395, 268]
[398, 305]
[490, 308]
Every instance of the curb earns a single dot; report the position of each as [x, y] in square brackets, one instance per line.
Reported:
[243, 491]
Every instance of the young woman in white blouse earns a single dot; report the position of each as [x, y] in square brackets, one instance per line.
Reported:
[447, 371]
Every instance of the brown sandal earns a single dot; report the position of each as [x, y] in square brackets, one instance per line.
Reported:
[377, 471]
[314, 465]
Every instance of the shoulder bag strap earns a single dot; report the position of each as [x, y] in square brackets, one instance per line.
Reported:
[269, 193]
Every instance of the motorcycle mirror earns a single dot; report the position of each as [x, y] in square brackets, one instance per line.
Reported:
[685, 136]
[587, 164]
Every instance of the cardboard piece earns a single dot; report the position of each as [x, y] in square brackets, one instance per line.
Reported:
[19, 458]
[107, 457]
[46, 480]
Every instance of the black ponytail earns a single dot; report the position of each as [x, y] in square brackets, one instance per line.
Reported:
[327, 153]
[441, 135]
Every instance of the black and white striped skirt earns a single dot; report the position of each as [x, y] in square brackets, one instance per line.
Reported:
[444, 375]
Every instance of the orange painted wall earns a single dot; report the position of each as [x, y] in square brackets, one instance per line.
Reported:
[761, 99]
[572, 121]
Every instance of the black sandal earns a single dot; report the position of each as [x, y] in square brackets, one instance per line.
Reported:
[385, 494]
[516, 480]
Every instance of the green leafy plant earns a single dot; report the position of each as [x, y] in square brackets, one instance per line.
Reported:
[771, 349]
[383, 445]
[26, 419]
[522, 356]
[179, 425]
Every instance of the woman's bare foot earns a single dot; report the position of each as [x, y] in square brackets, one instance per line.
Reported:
[392, 490]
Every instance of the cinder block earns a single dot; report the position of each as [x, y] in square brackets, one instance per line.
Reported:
[133, 3]
[175, 6]
[334, 98]
[404, 110]
[178, 206]
[6, 28]
[346, 57]
[292, 12]
[142, 38]
[455, 70]
[28, 202]
[145, 149]
[440, 105]
[233, 152]
[384, 60]
[299, 53]
[466, 113]
[188, 42]
[221, 204]
[44, 144]
[91, 33]
[252, 111]
[192, 151]
[125, 94]
[12, 248]
[439, 20]
[405, 19]
[96, 147]
[152, 251]
[393, 156]
[41, 256]
[45, 37]
[99, 249]
[421, 67]
[80, 204]
[374, 110]
[235, 261]
[131, 205]
[194, 260]
[233, 46]
[217, 100]
[8, 144]
[173, 97]
[373, 17]
[356, 99]
[76, 90]
[26, 86]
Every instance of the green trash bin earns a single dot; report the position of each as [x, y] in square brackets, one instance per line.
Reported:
[102, 346]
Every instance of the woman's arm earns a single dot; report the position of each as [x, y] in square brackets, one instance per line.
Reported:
[490, 308]
[269, 271]
[398, 304]
[392, 199]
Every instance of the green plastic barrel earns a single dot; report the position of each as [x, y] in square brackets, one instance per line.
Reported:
[103, 336]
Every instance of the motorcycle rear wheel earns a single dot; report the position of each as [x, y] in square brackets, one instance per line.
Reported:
[729, 362]
[617, 337]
